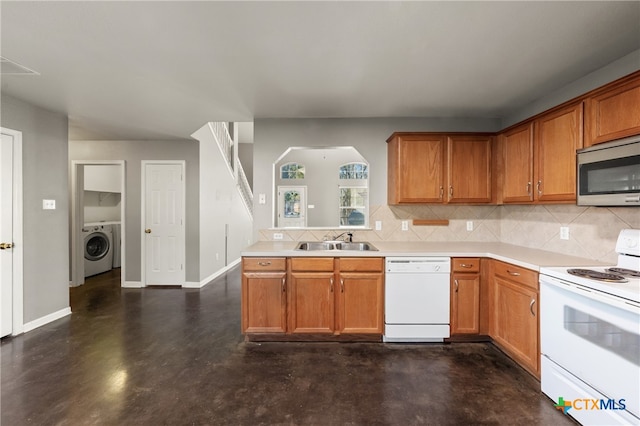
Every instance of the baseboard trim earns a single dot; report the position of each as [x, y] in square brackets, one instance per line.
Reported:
[195, 284]
[32, 325]
[132, 284]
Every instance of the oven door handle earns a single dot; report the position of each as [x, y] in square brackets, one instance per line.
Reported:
[595, 295]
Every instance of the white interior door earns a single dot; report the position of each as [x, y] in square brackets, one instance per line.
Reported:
[164, 238]
[6, 234]
[292, 206]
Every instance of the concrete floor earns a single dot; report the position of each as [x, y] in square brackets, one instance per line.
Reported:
[176, 357]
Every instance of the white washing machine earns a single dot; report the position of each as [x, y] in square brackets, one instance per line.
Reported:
[98, 249]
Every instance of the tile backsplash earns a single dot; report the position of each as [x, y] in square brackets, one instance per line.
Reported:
[592, 230]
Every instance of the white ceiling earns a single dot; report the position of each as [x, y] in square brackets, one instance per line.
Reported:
[160, 70]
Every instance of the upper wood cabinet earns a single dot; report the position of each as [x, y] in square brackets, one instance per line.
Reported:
[539, 158]
[557, 136]
[469, 169]
[415, 168]
[516, 174]
[613, 112]
[439, 168]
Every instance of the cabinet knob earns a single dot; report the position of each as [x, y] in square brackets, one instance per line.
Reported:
[539, 187]
[441, 192]
[456, 283]
[466, 265]
[533, 302]
[528, 188]
[284, 280]
[514, 274]
[341, 285]
[450, 191]
[331, 288]
[264, 263]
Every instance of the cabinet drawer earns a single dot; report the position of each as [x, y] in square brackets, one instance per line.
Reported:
[312, 264]
[517, 274]
[465, 264]
[264, 264]
[361, 264]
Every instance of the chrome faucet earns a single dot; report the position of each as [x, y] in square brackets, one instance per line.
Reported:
[348, 238]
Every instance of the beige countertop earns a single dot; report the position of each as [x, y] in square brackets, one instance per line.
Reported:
[517, 255]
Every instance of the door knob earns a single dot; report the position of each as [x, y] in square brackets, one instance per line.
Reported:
[4, 246]
[147, 231]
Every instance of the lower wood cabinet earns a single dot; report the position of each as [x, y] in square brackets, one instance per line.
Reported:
[515, 324]
[465, 295]
[264, 297]
[313, 296]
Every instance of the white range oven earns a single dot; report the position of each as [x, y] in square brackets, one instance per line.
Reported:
[590, 337]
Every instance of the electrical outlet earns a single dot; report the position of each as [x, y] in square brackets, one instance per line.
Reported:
[469, 225]
[564, 232]
[278, 236]
[48, 204]
[405, 225]
[378, 225]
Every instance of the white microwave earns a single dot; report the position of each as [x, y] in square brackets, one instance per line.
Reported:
[608, 174]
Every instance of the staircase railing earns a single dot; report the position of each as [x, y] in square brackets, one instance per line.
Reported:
[245, 189]
[221, 134]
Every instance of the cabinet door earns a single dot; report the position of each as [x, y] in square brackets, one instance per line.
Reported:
[264, 302]
[613, 113]
[558, 136]
[361, 297]
[465, 303]
[517, 164]
[469, 169]
[516, 322]
[311, 303]
[416, 169]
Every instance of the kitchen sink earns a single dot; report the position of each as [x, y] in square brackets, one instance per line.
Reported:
[335, 245]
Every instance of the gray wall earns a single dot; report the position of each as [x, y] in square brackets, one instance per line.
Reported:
[617, 69]
[245, 155]
[133, 152]
[46, 232]
[225, 223]
[368, 135]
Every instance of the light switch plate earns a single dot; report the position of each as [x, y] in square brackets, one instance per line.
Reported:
[48, 204]
[405, 225]
[564, 232]
[469, 225]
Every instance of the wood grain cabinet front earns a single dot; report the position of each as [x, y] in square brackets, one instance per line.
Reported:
[613, 112]
[515, 317]
[312, 295]
[439, 168]
[361, 297]
[538, 158]
[264, 296]
[322, 298]
[465, 295]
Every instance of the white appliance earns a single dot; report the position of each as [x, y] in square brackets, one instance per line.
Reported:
[590, 337]
[98, 249]
[416, 299]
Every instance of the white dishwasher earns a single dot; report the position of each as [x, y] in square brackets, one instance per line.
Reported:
[416, 306]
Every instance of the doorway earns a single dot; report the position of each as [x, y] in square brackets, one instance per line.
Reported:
[78, 221]
[11, 253]
[292, 206]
